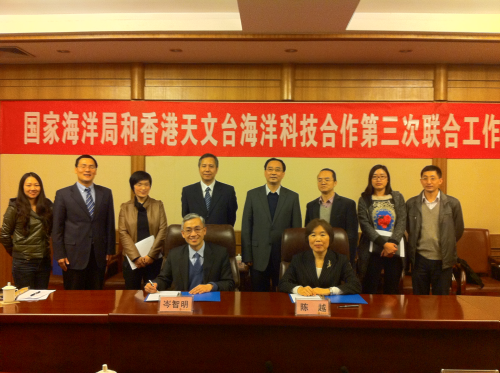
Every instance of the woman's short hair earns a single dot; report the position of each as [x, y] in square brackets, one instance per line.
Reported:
[313, 224]
[138, 176]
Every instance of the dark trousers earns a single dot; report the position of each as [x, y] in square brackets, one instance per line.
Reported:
[34, 273]
[134, 278]
[392, 267]
[430, 273]
[90, 278]
[261, 280]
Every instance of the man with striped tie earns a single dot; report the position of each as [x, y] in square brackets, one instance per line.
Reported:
[83, 235]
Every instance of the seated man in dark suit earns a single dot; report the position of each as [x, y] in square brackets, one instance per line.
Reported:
[213, 200]
[198, 267]
[339, 211]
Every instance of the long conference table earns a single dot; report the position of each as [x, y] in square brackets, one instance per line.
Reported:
[78, 331]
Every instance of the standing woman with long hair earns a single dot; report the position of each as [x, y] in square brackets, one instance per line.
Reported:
[26, 229]
[382, 217]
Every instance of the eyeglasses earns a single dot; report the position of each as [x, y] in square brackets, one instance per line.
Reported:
[84, 167]
[270, 169]
[379, 177]
[431, 179]
[195, 229]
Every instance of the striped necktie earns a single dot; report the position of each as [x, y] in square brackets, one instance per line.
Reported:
[208, 199]
[89, 201]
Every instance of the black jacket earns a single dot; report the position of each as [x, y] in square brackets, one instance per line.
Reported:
[337, 271]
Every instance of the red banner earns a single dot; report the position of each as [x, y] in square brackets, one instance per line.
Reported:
[339, 130]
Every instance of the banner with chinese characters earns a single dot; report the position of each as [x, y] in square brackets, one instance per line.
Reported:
[346, 130]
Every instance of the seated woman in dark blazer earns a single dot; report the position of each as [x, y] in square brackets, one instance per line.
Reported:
[319, 271]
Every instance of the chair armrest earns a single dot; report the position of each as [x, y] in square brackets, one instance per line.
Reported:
[494, 267]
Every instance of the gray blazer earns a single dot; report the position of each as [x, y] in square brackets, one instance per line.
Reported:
[74, 231]
[259, 232]
[369, 234]
[451, 227]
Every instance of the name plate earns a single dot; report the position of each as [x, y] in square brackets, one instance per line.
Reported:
[312, 307]
[182, 304]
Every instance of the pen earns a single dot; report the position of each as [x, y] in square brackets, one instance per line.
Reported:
[349, 306]
[153, 285]
[38, 292]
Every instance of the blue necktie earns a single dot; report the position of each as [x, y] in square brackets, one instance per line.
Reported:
[89, 202]
[208, 199]
[196, 272]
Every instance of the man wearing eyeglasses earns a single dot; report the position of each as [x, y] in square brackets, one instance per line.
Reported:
[198, 267]
[83, 234]
[435, 224]
[269, 210]
[337, 210]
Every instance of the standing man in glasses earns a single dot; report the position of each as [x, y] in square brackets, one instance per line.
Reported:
[339, 211]
[434, 224]
[269, 210]
[83, 235]
[211, 199]
[198, 267]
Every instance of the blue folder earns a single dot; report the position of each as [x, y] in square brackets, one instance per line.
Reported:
[205, 297]
[351, 299]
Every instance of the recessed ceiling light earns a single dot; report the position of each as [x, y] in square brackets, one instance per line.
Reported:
[63, 51]
[176, 50]
[405, 51]
[290, 50]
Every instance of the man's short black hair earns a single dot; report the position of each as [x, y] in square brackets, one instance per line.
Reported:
[432, 168]
[208, 155]
[85, 156]
[275, 159]
[139, 176]
[333, 173]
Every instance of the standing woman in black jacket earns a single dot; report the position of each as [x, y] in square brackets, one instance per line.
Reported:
[26, 229]
[382, 218]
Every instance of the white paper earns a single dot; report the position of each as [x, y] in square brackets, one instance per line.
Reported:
[298, 296]
[155, 297]
[143, 246]
[401, 246]
[35, 295]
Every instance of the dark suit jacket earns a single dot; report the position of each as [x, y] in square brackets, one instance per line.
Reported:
[222, 207]
[343, 216]
[337, 271]
[74, 230]
[216, 268]
[259, 232]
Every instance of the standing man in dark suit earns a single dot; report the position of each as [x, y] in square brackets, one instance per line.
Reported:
[213, 200]
[269, 210]
[198, 267]
[337, 210]
[83, 235]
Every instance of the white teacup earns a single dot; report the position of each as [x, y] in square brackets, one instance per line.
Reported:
[9, 293]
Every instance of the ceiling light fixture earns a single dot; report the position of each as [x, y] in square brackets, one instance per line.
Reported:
[290, 50]
[176, 50]
[63, 51]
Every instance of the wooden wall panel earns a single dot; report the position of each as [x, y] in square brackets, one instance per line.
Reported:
[474, 83]
[65, 82]
[213, 82]
[364, 83]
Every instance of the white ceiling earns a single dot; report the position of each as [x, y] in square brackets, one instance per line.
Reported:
[315, 28]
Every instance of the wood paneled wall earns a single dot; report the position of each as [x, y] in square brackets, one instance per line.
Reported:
[364, 82]
[65, 82]
[213, 82]
[474, 83]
